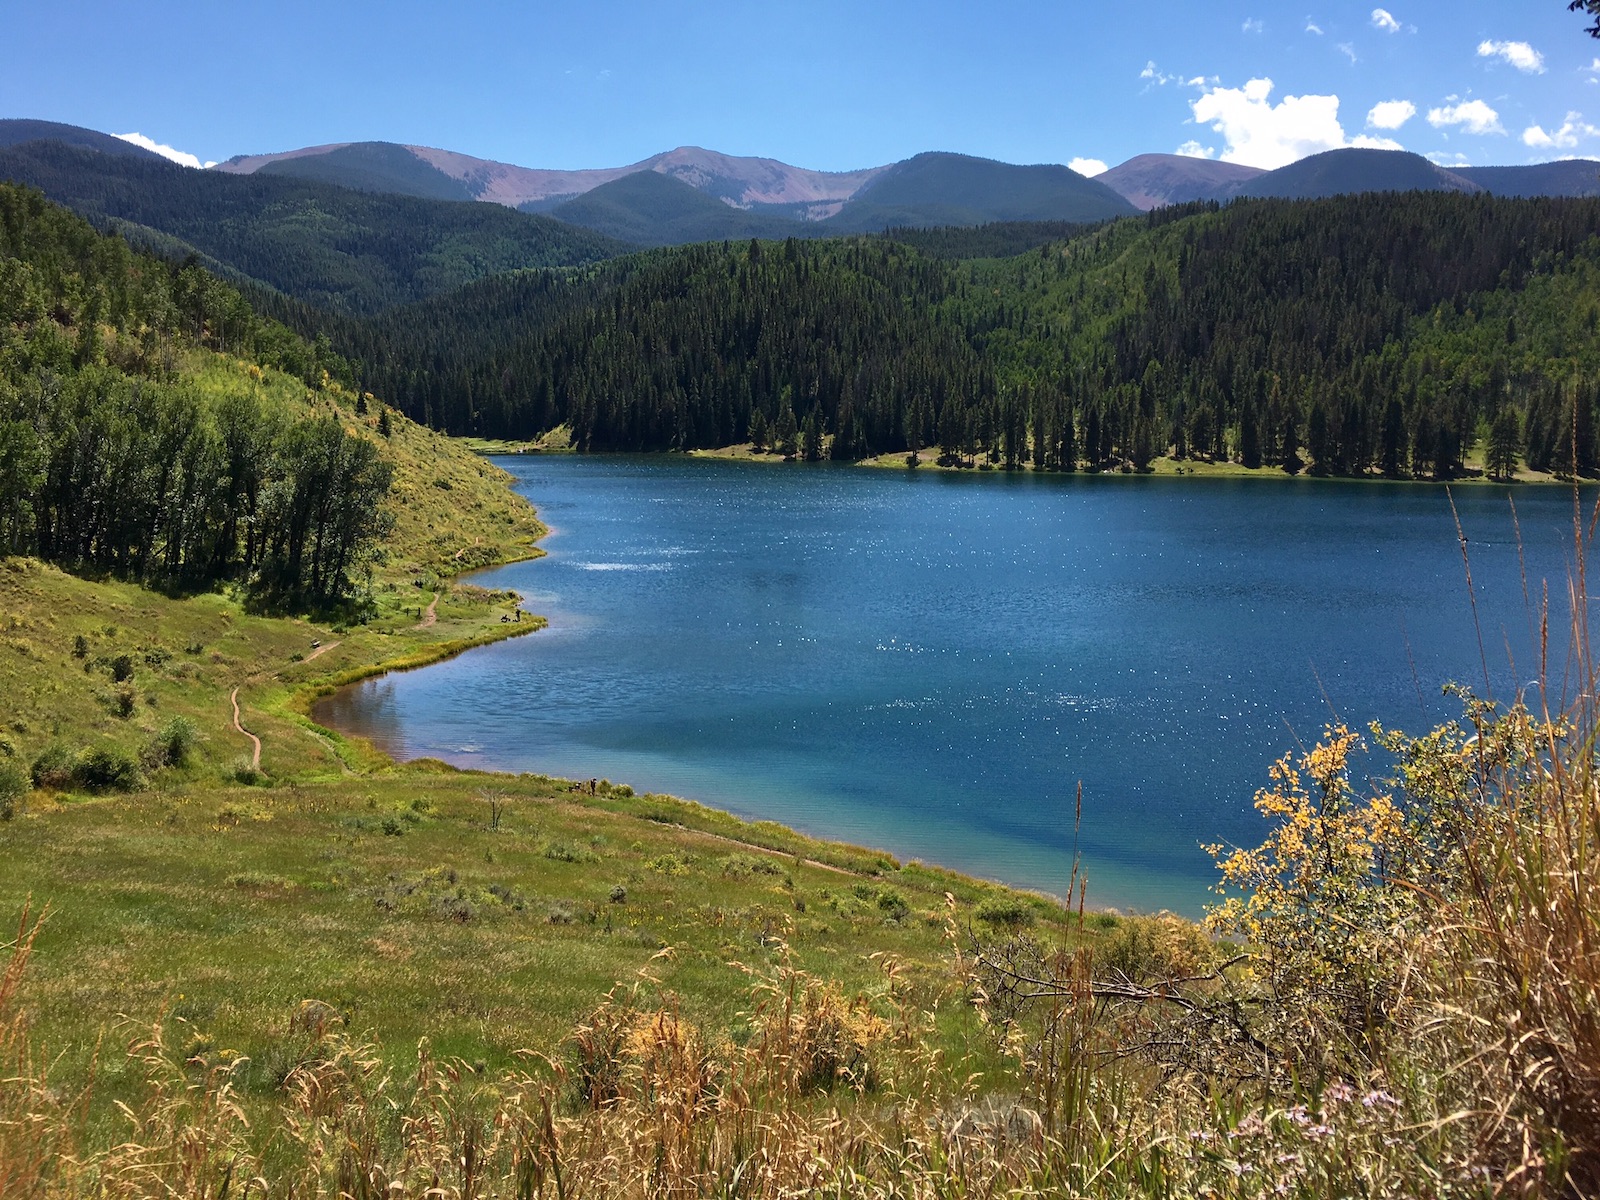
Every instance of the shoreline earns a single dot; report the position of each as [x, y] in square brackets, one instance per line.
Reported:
[850, 858]
[1161, 468]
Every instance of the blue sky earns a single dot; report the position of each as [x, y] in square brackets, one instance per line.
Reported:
[825, 84]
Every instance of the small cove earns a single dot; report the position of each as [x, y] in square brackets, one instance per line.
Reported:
[930, 663]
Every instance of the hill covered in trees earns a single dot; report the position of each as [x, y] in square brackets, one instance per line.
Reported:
[341, 250]
[1375, 333]
[122, 453]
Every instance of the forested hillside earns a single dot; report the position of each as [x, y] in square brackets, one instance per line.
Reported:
[341, 250]
[1376, 333]
[119, 453]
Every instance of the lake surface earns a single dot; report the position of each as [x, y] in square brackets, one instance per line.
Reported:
[930, 663]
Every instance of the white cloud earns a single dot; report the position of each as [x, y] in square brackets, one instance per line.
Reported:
[1447, 159]
[1088, 166]
[1313, 27]
[1390, 114]
[1519, 54]
[1383, 19]
[1253, 25]
[1472, 115]
[1348, 51]
[1156, 77]
[177, 156]
[1572, 130]
[1262, 134]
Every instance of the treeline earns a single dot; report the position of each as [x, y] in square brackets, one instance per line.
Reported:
[1383, 333]
[680, 348]
[1375, 333]
[116, 456]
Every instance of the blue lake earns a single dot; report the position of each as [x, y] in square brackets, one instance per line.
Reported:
[931, 663]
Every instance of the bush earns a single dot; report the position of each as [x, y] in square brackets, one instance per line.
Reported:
[172, 744]
[742, 866]
[14, 788]
[559, 851]
[893, 905]
[1012, 912]
[104, 769]
[53, 768]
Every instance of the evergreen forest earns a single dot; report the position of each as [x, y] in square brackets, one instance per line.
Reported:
[1393, 334]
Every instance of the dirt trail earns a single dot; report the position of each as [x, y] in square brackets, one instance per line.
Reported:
[255, 755]
[432, 615]
[320, 650]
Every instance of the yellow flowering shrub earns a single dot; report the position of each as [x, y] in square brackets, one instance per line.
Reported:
[1324, 918]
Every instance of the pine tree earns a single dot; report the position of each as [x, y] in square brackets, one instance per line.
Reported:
[788, 432]
[812, 443]
[1505, 443]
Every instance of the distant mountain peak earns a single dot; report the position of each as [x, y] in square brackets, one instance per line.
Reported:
[1151, 180]
[15, 131]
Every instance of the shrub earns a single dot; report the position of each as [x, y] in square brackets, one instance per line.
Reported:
[1012, 912]
[104, 769]
[559, 851]
[172, 744]
[669, 864]
[1152, 949]
[53, 768]
[742, 866]
[122, 668]
[245, 772]
[14, 788]
[124, 701]
[893, 905]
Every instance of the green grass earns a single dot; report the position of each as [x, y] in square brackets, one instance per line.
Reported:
[217, 900]
[392, 899]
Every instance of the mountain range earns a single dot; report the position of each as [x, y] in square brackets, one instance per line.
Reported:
[309, 200]
[929, 189]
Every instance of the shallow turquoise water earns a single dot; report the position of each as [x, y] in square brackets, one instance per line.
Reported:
[931, 663]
